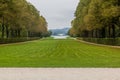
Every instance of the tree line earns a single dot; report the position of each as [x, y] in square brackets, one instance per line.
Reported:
[96, 19]
[19, 18]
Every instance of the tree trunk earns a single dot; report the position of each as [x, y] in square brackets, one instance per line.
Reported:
[7, 32]
[3, 28]
[96, 31]
[93, 33]
[113, 31]
[29, 34]
[16, 33]
[12, 33]
[109, 32]
[19, 33]
[103, 33]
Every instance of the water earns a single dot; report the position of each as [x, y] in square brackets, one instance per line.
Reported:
[59, 37]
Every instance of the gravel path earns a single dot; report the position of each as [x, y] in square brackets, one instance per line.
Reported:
[59, 74]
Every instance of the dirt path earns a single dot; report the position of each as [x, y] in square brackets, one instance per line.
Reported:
[59, 74]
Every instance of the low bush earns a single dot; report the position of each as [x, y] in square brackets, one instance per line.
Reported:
[106, 41]
[15, 40]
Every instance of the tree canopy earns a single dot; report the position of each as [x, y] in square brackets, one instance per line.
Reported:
[19, 18]
[97, 18]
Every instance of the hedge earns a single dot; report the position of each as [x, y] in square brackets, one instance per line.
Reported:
[15, 40]
[105, 41]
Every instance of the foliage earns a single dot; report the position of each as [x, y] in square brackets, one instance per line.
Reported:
[97, 19]
[20, 18]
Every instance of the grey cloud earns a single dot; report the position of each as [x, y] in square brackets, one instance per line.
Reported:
[58, 13]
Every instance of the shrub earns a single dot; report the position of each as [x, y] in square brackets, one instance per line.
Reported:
[106, 41]
[15, 40]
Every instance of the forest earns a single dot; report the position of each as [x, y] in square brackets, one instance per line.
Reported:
[20, 19]
[96, 19]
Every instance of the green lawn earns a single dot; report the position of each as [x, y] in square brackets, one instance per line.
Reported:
[58, 53]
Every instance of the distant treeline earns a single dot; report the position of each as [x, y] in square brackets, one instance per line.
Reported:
[19, 18]
[97, 19]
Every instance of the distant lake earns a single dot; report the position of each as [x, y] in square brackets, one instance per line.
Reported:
[60, 37]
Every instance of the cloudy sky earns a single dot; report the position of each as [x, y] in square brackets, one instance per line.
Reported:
[58, 13]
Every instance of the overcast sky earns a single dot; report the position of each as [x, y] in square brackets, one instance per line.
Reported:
[58, 13]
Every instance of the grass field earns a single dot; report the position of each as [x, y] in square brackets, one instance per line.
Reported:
[58, 53]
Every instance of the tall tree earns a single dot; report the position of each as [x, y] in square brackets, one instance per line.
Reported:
[19, 18]
[97, 18]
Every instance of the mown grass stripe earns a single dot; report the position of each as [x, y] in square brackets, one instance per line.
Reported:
[58, 53]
